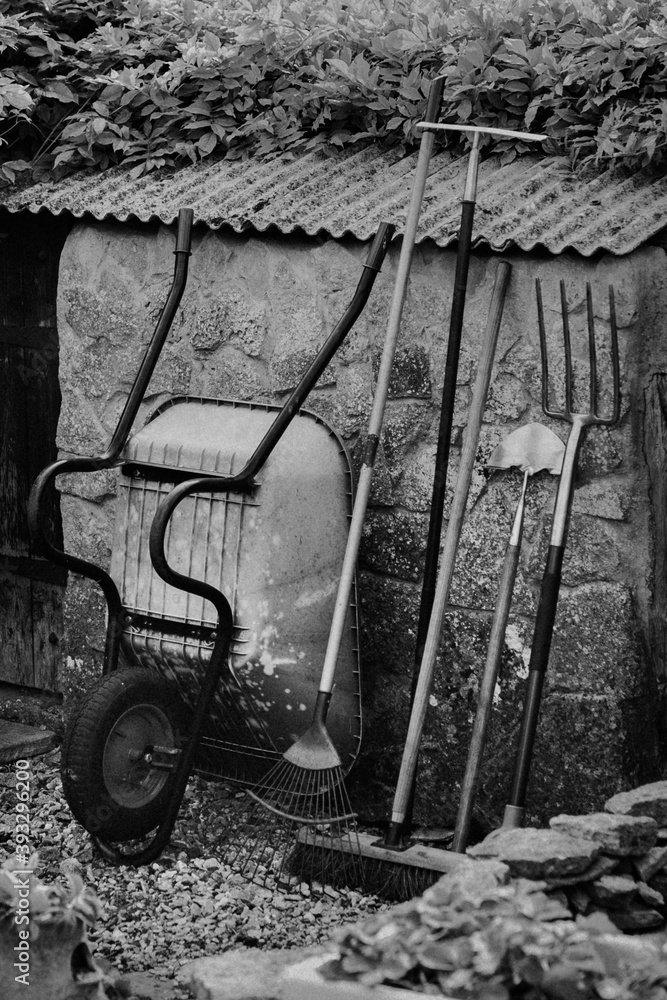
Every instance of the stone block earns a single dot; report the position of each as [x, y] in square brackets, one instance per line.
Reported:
[636, 919]
[647, 800]
[658, 883]
[601, 865]
[606, 498]
[597, 647]
[601, 453]
[617, 835]
[585, 744]
[80, 430]
[348, 408]
[534, 853]
[18, 741]
[244, 973]
[95, 486]
[393, 542]
[613, 892]
[592, 552]
[102, 312]
[228, 316]
[84, 611]
[508, 398]
[481, 551]
[415, 486]
[650, 863]
[407, 424]
[228, 374]
[286, 371]
[650, 896]
[382, 484]
[578, 899]
[411, 373]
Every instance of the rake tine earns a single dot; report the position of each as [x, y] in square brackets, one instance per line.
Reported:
[568, 351]
[593, 365]
[543, 349]
[616, 374]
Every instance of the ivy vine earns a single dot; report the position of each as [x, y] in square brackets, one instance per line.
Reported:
[162, 83]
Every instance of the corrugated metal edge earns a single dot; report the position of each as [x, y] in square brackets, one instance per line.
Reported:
[530, 203]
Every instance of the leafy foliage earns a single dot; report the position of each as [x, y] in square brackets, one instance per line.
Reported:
[49, 904]
[473, 937]
[152, 83]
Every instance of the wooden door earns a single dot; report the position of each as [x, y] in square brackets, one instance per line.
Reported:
[31, 589]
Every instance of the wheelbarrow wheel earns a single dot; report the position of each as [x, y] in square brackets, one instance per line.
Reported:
[111, 785]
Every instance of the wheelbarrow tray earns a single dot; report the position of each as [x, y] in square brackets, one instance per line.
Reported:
[276, 554]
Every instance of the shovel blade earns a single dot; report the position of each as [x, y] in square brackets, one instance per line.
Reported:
[531, 448]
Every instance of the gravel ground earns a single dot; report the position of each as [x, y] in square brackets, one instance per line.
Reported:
[187, 904]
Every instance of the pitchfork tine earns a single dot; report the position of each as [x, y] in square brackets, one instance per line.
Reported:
[568, 351]
[591, 351]
[615, 364]
[543, 349]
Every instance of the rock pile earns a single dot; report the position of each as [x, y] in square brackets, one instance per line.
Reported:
[613, 861]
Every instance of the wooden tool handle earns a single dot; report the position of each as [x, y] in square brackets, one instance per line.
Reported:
[489, 678]
[448, 559]
[377, 415]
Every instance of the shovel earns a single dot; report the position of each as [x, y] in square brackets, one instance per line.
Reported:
[531, 449]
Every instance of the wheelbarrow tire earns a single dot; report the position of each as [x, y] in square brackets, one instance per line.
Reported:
[110, 789]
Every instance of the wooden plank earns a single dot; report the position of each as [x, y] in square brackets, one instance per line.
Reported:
[30, 596]
[34, 569]
[16, 639]
[416, 856]
[46, 631]
[18, 741]
[44, 338]
[14, 538]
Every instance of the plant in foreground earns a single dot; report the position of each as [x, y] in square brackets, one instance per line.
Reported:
[43, 935]
[471, 936]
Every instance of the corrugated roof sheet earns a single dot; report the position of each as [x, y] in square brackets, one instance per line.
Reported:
[532, 202]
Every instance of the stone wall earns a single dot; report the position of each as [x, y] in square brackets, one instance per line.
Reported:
[254, 312]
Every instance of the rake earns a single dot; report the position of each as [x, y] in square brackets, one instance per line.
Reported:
[306, 787]
[548, 600]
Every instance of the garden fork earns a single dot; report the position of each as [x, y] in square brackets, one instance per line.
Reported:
[546, 609]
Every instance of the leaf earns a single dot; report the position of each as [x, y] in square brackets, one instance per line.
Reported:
[60, 90]
[401, 40]
[517, 46]
[207, 143]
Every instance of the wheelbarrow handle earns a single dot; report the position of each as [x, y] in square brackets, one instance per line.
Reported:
[184, 230]
[43, 545]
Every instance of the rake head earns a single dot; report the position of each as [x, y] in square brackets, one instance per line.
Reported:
[269, 847]
[594, 414]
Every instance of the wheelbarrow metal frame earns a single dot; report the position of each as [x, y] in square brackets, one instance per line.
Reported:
[241, 482]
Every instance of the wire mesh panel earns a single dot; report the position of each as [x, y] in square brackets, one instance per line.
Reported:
[276, 555]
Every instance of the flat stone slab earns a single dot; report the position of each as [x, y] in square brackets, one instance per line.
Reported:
[18, 741]
[618, 835]
[650, 896]
[613, 891]
[244, 974]
[537, 854]
[144, 986]
[637, 919]
[601, 865]
[647, 800]
[649, 864]
[304, 981]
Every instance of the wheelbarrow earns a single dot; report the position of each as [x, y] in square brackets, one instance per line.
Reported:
[213, 678]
